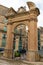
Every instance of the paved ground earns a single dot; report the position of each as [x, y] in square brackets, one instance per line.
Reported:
[4, 62]
[7, 62]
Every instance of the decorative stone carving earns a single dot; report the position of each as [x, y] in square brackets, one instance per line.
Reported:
[21, 9]
[33, 9]
[31, 5]
[11, 12]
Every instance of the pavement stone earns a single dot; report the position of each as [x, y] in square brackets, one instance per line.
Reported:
[6, 61]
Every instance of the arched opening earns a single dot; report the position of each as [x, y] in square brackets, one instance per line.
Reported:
[20, 40]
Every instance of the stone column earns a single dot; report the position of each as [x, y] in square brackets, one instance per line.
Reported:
[9, 42]
[17, 43]
[32, 40]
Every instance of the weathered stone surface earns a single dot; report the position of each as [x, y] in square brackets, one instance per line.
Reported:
[27, 18]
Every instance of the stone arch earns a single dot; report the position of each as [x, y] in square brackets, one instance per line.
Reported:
[26, 23]
[19, 24]
[17, 33]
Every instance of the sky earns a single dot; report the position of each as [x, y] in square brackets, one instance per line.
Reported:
[18, 3]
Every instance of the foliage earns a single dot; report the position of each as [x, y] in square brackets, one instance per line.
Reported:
[17, 54]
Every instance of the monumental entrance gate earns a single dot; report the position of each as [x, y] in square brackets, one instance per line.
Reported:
[27, 18]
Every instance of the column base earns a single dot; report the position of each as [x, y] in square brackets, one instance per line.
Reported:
[8, 53]
[31, 56]
[37, 56]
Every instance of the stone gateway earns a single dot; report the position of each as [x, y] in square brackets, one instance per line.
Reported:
[18, 20]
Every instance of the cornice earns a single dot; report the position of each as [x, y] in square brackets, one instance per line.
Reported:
[35, 12]
[22, 19]
[17, 15]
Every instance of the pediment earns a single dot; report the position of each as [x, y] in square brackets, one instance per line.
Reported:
[11, 12]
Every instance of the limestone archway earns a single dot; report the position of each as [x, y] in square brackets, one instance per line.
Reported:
[28, 18]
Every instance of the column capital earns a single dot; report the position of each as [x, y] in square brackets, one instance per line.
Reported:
[33, 9]
[34, 19]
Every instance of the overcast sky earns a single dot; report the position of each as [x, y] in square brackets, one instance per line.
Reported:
[17, 3]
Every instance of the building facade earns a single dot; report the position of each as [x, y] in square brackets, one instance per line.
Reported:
[19, 30]
[41, 38]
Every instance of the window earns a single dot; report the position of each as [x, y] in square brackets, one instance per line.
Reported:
[4, 36]
[3, 40]
[38, 39]
[5, 29]
[14, 42]
[5, 20]
[41, 47]
[16, 31]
